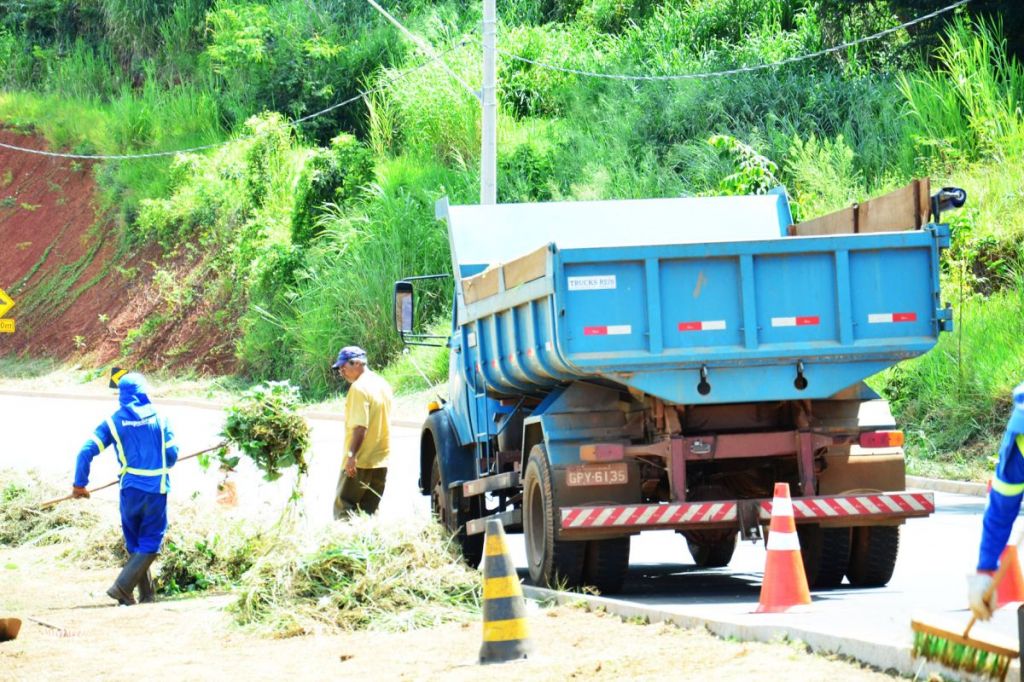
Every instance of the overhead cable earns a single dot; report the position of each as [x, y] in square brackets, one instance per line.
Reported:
[189, 150]
[738, 70]
[423, 45]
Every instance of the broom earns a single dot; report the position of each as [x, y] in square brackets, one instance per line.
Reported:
[958, 650]
[50, 503]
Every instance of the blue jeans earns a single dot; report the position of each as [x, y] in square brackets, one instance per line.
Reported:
[143, 520]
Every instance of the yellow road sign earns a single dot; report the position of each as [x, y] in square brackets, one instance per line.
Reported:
[115, 376]
[6, 303]
[6, 326]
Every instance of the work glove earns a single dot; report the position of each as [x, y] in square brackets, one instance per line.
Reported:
[77, 492]
[977, 585]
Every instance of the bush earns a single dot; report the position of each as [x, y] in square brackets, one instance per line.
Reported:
[823, 175]
[336, 175]
[527, 174]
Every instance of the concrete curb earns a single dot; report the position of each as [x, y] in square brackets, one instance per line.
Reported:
[886, 657]
[944, 486]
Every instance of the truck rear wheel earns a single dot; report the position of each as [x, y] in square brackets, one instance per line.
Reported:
[873, 555]
[711, 550]
[454, 519]
[826, 554]
[605, 564]
[552, 562]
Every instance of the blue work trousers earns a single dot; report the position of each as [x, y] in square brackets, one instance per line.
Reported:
[143, 520]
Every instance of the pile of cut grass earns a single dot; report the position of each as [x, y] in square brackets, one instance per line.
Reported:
[22, 522]
[204, 549]
[207, 549]
[364, 574]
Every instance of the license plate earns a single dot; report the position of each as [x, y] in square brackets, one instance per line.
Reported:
[612, 473]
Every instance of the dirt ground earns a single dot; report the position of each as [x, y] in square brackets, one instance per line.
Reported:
[194, 639]
[50, 223]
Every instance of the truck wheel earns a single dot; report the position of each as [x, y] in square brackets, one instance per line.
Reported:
[711, 548]
[454, 520]
[605, 563]
[552, 562]
[873, 555]
[711, 552]
[826, 554]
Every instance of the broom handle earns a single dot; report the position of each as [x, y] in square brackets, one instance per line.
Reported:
[50, 503]
[996, 577]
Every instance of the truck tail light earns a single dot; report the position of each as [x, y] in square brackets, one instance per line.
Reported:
[881, 439]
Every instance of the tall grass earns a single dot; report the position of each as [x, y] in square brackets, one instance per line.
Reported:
[955, 400]
[343, 296]
[970, 106]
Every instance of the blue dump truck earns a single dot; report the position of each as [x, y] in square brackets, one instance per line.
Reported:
[628, 366]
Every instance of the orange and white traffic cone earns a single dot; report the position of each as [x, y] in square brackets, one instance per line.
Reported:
[785, 583]
[1011, 586]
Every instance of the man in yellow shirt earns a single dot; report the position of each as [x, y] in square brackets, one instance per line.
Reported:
[367, 435]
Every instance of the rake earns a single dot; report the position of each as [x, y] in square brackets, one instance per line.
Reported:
[50, 503]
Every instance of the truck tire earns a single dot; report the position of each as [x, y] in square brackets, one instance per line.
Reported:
[873, 555]
[605, 564]
[711, 548]
[454, 520]
[553, 563]
[826, 554]
[712, 552]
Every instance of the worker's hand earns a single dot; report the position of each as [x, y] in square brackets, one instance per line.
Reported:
[77, 492]
[977, 585]
[350, 465]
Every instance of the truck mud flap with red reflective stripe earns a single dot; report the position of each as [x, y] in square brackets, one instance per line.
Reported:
[694, 515]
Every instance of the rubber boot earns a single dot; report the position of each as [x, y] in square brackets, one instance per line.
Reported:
[146, 592]
[129, 577]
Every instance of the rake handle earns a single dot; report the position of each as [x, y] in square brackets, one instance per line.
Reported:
[50, 503]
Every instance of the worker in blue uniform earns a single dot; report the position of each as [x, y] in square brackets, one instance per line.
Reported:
[1003, 505]
[145, 448]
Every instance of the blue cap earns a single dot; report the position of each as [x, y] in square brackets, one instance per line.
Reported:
[348, 353]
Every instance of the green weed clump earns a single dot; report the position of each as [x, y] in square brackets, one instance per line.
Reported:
[22, 522]
[364, 574]
[334, 175]
[206, 550]
[266, 426]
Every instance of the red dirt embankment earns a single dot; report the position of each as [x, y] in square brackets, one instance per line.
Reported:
[77, 293]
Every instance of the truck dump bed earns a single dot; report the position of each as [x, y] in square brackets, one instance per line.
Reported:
[695, 300]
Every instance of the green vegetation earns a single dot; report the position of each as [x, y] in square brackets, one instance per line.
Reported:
[266, 426]
[290, 234]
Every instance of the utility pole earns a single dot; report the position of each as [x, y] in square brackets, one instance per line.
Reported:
[489, 118]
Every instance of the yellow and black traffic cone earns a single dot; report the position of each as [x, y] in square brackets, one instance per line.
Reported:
[505, 632]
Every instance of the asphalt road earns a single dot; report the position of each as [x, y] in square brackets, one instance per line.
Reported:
[935, 553]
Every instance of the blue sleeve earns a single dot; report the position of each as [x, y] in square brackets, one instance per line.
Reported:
[170, 445]
[1003, 501]
[97, 443]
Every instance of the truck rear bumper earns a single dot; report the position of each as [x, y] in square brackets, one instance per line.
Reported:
[839, 510]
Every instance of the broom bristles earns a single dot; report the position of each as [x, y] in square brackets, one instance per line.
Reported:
[978, 657]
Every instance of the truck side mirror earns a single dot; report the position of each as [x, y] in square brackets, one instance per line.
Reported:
[404, 307]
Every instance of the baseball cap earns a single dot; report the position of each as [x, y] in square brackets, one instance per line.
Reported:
[348, 353]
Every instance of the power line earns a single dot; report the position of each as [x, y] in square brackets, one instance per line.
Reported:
[739, 70]
[423, 45]
[296, 122]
